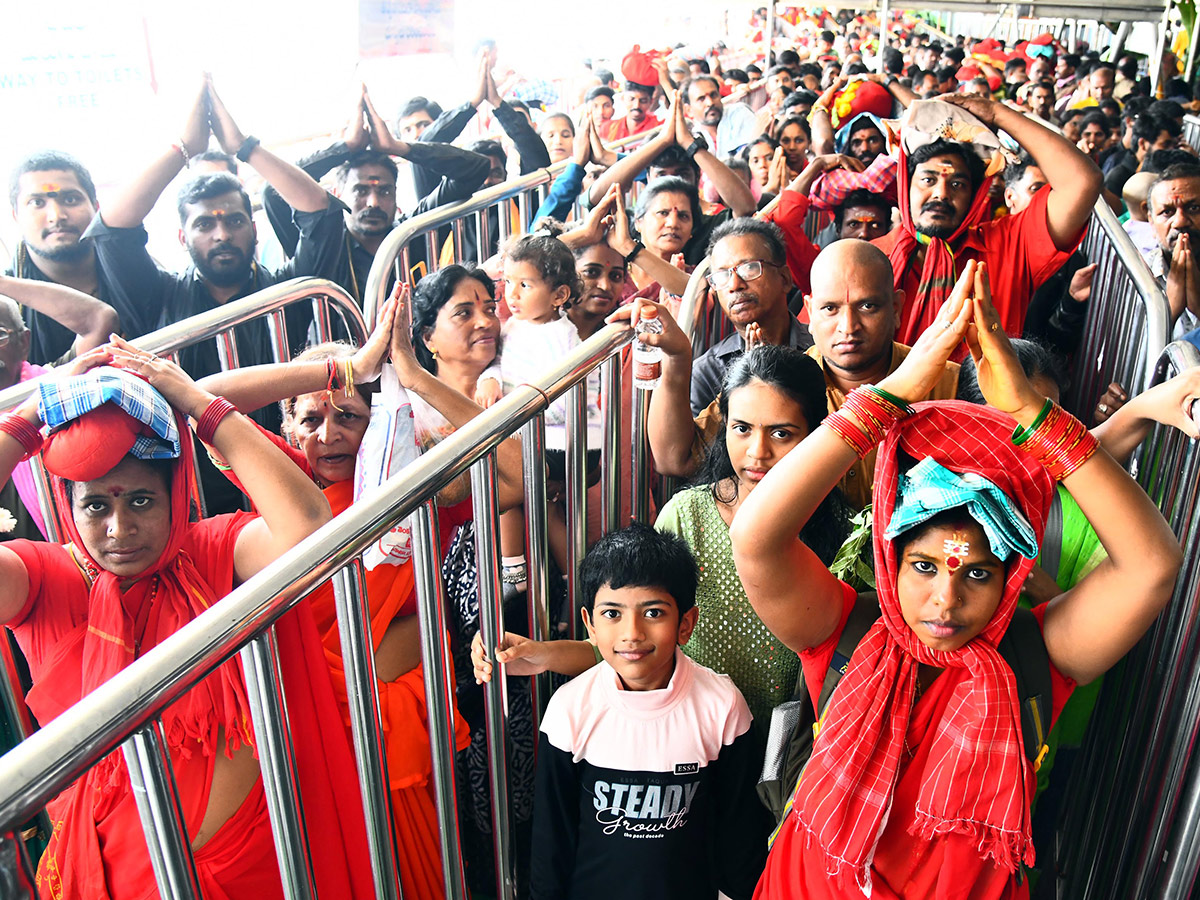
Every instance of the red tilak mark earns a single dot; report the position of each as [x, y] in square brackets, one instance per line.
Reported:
[117, 491]
[50, 188]
[953, 563]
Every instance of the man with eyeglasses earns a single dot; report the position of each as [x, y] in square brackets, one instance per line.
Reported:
[750, 276]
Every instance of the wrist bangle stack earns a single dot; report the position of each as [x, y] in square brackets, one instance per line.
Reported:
[182, 148]
[1057, 440]
[24, 432]
[865, 417]
[206, 425]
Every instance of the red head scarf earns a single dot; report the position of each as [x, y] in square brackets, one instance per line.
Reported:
[976, 780]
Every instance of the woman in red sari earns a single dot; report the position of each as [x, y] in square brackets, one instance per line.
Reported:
[325, 429]
[136, 568]
[918, 786]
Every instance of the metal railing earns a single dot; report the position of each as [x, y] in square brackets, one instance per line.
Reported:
[1139, 753]
[125, 710]
[1128, 321]
[528, 192]
[1191, 131]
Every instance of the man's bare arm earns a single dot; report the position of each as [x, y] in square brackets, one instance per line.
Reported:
[90, 319]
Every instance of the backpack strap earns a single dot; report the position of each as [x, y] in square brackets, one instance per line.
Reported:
[864, 614]
[1051, 558]
[1024, 649]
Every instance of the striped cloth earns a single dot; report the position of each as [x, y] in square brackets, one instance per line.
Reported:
[64, 400]
[831, 188]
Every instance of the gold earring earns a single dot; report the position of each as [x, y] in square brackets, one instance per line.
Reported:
[434, 352]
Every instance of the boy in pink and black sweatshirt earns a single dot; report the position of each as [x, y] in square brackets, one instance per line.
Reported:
[647, 763]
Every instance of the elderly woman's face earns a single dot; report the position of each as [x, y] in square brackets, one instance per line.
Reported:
[467, 328]
[329, 434]
[124, 517]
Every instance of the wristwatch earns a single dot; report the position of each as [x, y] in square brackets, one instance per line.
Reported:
[638, 247]
[696, 146]
[889, 81]
[248, 145]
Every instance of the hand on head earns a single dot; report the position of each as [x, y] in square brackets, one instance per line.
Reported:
[176, 386]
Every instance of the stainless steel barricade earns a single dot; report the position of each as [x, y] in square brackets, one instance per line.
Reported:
[1128, 322]
[1132, 821]
[1191, 131]
[125, 711]
[521, 196]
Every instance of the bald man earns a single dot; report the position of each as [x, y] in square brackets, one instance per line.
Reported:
[853, 313]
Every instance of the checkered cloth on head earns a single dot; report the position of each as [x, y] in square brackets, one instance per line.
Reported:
[831, 188]
[63, 400]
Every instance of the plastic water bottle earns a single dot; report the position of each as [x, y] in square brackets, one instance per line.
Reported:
[647, 360]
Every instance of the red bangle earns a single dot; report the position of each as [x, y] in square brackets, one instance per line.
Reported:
[24, 432]
[1060, 442]
[206, 425]
[334, 382]
[865, 417]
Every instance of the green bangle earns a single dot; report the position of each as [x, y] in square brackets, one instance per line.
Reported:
[1021, 435]
[892, 398]
[596, 650]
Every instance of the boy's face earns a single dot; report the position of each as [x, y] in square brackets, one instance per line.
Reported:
[637, 630]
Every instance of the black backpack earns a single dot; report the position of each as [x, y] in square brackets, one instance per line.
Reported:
[794, 726]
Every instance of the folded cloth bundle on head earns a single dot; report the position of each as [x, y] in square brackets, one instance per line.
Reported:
[861, 95]
[127, 416]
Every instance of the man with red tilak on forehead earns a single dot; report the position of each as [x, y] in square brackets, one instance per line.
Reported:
[945, 220]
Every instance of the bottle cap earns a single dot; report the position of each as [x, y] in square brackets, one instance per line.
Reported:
[648, 312]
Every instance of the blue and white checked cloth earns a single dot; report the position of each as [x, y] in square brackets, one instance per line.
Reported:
[63, 400]
[929, 488]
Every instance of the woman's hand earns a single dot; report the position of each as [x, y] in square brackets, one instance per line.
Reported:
[1169, 403]
[403, 358]
[777, 172]
[672, 341]
[619, 236]
[595, 223]
[926, 362]
[1113, 398]
[176, 386]
[583, 139]
[368, 362]
[1002, 381]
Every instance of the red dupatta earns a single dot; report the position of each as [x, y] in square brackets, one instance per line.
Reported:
[975, 781]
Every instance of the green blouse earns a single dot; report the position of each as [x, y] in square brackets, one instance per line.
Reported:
[729, 636]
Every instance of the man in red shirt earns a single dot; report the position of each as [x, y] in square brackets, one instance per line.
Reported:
[945, 220]
[638, 100]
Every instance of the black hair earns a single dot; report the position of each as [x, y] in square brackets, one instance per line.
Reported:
[488, 147]
[777, 70]
[827, 36]
[647, 89]
[1035, 359]
[761, 139]
[767, 232]
[605, 75]
[669, 184]
[1069, 114]
[228, 160]
[1015, 172]
[940, 147]
[600, 90]
[205, 187]
[1168, 109]
[947, 518]
[430, 295]
[799, 97]
[1135, 106]
[163, 467]
[797, 120]
[753, 68]
[1149, 126]
[551, 257]
[639, 556]
[365, 158]
[861, 197]
[854, 69]
[1162, 162]
[807, 69]
[676, 157]
[957, 54]
[685, 89]
[789, 58]
[893, 60]
[1128, 66]
[945, 73]
[419, 104]
[45, 161]
[560, 115]
[1072, 60]
[1013, 64]
[702, 63]
[799, 377]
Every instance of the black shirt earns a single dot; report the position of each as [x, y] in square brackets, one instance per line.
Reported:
[708, 370]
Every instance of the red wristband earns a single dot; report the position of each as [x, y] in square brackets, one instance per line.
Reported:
[206, 425]
[23, 432]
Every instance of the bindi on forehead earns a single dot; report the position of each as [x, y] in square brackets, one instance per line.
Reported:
[50, 188]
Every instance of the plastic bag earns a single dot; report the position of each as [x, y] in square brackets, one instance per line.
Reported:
[389, 444]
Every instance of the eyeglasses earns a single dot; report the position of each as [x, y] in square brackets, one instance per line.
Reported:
[749, 270]
[7, 335]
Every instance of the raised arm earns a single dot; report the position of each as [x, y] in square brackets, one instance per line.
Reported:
[1169, 403]
[788, 586]
[1074, 180]
[135, 200]
[90, 319]
[624, 171]
[299, 189]
[1091, 626]
[819, 119]
[670, 426]
[671, 278]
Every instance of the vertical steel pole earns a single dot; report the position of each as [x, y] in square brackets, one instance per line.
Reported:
[1156, 86]
[227, 350]
[366, 725]
[576, 495]
[260, 663]
[769, 35]
[483, 248]
[486, 508]
[524, 213]
[157, 798]
[277, 327]
[537, 543]
[641, 457]
[435, 655]
[431, 250]
[321, 322]
[1190, 67]
[610, 452]
[883, 32]
[45, 496]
